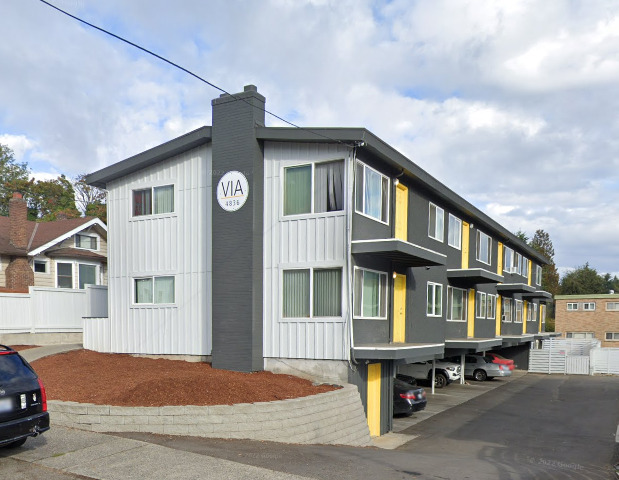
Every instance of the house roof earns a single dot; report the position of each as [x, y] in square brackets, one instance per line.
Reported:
[75, 252]
[43, 235]
[360, 138]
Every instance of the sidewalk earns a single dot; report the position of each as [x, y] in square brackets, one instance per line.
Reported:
[32, 354]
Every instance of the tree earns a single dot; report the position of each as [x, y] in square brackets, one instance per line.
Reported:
[542, 244]
[90, 200]
[611, 283]
[583, 281]
[52, 199]
[13, 177]
[522, 236]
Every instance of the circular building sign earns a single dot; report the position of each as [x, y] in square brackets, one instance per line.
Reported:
[232, 191]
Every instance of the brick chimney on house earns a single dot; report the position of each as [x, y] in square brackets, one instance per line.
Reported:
[19, 274]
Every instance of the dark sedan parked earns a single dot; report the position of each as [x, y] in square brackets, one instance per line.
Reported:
[407, 396]
[23, 403]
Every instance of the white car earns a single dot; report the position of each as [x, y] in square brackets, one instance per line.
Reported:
[446, 372]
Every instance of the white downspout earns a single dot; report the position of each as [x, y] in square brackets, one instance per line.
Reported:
[349, 268]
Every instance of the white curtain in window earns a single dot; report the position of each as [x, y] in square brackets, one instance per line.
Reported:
[371, 294]
[329, 187]
[373, 194]
[164, 199]
[298, 190]
[143, 290]
[296, 294]
[164, 289]
[328, 293]
[457, 304]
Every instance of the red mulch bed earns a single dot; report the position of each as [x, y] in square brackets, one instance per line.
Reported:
[117, 379]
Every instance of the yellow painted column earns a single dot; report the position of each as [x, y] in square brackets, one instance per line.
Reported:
[470, 331]
[401, 212]
[530, 267]
[499, 257]
[373, 398]
[399, 308]
[498, 314]
[525, 311]
[465, 245]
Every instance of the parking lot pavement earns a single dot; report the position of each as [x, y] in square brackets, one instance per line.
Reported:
[450, 396]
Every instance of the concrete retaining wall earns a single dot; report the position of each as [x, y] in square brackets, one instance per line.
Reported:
[335, 417]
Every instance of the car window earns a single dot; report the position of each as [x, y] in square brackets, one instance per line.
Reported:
[13, 367]
[488, 359]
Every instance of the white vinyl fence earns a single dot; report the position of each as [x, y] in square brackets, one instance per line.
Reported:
[50, 310]
[574, 357]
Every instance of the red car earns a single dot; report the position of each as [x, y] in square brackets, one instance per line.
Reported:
[496, 358]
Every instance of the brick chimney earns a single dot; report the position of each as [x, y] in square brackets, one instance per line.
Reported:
[18, 221]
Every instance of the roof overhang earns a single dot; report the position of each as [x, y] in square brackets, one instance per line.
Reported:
[540, 295]
[472, 276]
[514, 288]
[514, 340]
[399, 251]
[398, 351]
[546, 335]
[70, 233]
[472, 344]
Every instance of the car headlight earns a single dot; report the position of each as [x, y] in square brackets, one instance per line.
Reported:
[451, 369]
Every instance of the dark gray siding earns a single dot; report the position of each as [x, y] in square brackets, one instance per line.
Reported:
[420, 328]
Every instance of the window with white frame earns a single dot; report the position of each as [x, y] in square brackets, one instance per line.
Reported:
[507, 310]
[314, 188]
[434, 304]
[456, 304]
[480, 305]
[525, 266]
[309, 293]
[612, 336]
[484, 247]
[508, 259]
[88, 242]
[612, 306]
[532, 312]
[518, 311]
[517, 265]
[87, 275]
[538, 275]
[40, 266]
[491, 306]
[572, 307]
[370, 295]
[372, 193]
[64, 275]
[454, 232]
[154, 290]
[542, 313]
[580, 335]
[588, 306]
[436, 222]
[153, 200]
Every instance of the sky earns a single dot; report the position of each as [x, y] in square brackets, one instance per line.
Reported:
[511, 104]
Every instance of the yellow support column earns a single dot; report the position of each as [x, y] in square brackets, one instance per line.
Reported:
[525, 311]
[530, 267]
[373, 398]
[498, 315]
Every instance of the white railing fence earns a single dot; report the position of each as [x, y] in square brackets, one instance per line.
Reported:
[574, 357]
[50, 310]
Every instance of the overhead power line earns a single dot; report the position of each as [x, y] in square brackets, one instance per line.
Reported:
[189, 72]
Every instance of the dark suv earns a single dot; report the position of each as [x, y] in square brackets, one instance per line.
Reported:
[23, 403]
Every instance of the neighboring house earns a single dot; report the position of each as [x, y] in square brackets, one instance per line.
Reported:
[588, 316]
[318, 250]
[61, 254]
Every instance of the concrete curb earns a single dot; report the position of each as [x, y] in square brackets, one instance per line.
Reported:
[335, 417]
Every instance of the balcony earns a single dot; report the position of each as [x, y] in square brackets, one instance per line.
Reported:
[467, 277]
[398, 251]
[511, 288]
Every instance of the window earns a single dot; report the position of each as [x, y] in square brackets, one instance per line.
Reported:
[580, 335]
[370, 296]
[508, 259]
[454, 234]
[518, 310]
[571, 307]
[372, 193]
[86, 241]
[538, 275]
[588, 306]
[87, 275]
[542, 313]
[507, 310]
[436, 223]
[517, 265]
[40, 266]
[456, 304]
[612, 336]
[480, 305]
[154, 290]
[532, 312]
[484, 247]
[525, 266]
[327, 188]
[612, 306]
[64, 275]
[317, 295]
[434, 300]
[154, 200]
[491, 306]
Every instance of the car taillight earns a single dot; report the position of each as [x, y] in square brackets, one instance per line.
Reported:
[408, 396]
[43, 395]
[500, 367]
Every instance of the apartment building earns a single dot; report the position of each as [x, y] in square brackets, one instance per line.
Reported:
[320, 252]
[588, 316]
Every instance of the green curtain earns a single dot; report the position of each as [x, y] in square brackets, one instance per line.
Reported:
[164, 199]
[328, 293]
[298, 190]
[296, 294]
[164, 289]
[371, 294]
[87, 275]
[143, 290]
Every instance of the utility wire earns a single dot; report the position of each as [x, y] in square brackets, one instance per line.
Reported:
[189, 72]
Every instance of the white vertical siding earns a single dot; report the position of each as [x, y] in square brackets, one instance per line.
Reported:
[177, 244]
[297, 242]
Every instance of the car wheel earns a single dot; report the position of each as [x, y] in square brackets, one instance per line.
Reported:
[440, 380]
[16, 444]
[479, 375]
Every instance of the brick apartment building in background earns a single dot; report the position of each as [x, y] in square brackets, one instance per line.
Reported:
[589, 316]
